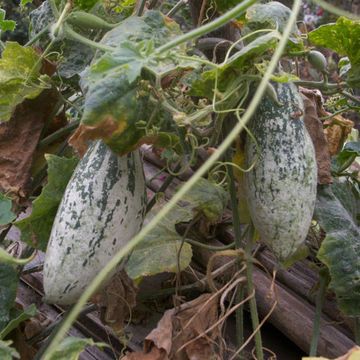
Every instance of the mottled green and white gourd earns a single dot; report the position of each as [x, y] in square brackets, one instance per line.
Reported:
[103, 207]
[281, 189]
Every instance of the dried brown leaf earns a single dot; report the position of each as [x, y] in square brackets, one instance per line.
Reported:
[84, 133]
[116, 301]
[174, 335]
[316, 131]
[18, 140]
[337, 129]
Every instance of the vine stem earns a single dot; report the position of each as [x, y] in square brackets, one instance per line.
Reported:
[239, 314]
[318, 309]
[136, 240]
[220, 21]
[251, 289]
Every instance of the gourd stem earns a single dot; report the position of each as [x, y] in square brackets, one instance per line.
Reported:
[141, 8]
[177, 7]
[58, 134]
[357, 330]
[251, 289]
[209, 27]
[137, 239]
[239, 314]
[351, 97]
[73, 35]
[210, 247]
[38, 35]
[318, 309]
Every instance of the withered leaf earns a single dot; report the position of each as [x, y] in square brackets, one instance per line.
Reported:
[316, 132]
[18, 140]
[337, 129]
[175, 334]
[116, 301]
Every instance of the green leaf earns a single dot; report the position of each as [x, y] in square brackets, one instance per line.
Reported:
[207, 199]
[344, 38]
[116, 99]
[14, 323]
[349, 196]
[35, 229]
[71, 347]
[6, 215]
[237, 65]
[272, 15]
[19, 77]
[8, 286]
[6, 258]
[345, 158]
[85, 4]
[25, 2]
[159, 251]
[6, 25]
[225, 5]
[7, 352]
[340, 249]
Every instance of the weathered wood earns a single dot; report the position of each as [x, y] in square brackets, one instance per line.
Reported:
[292, 315]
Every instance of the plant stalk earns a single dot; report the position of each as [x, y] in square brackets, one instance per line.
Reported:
[320, 297]
[209, 27]
[251, 289]
[58, 134]
[137, 239]
[239, 314]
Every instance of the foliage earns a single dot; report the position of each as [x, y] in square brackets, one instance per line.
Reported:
[159, 251]
[7, 352]
[6, 215]
[346, 157]
[6, 25]
[17, 319]
[272, 15]
[8, 286]
[71, 347]
[35, 229]
[116, 100]
[339, 250]
[20, 77]
[344, 38]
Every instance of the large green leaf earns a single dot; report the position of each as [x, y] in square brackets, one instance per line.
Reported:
[159, 251]
[6, 215]
[20, 77]
[117, 100]
[18, 319]
[35, 229]
[272, 15]
[8, 286]
[71, 347]
[7, 352]
[238, 64]
[344, 38]
[340, 249]
[349, 196]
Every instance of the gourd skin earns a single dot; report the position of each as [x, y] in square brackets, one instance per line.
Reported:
[103, 207]
[281, 189]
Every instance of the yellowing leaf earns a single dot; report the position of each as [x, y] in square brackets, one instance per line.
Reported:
[19, 77]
